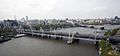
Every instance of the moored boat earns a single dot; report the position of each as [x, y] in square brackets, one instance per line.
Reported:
[70, 41]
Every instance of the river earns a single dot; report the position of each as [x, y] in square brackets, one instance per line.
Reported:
[83, 30]
[31, 46]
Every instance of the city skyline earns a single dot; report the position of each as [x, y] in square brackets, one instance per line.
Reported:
[45, 9]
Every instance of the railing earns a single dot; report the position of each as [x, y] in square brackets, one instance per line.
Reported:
[76, 35]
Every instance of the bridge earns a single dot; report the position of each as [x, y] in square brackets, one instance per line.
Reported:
[69, 36]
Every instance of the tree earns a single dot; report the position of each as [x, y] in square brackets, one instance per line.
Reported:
[112, 32]
[5, 32]
[106, 49]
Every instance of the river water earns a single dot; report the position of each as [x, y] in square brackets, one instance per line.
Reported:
[82, 30]
[32, 46]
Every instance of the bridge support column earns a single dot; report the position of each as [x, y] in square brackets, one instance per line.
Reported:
[48, 36]
[42, 35]
[32, 34]
[57, 38]
[96, 43]
[61, 37]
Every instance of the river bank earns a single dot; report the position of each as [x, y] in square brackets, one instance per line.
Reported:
[4, 39]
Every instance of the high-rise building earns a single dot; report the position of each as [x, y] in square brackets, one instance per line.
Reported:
[11, 23]
[115, 20]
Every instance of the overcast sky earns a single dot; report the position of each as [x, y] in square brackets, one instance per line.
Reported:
[43, 9]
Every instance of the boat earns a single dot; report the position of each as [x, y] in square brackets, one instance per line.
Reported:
[19, 35]
[70, 41]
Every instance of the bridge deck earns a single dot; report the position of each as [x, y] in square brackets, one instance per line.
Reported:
[88, 37]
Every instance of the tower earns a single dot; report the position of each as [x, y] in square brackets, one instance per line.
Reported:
[27, 18]
[15, 17]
